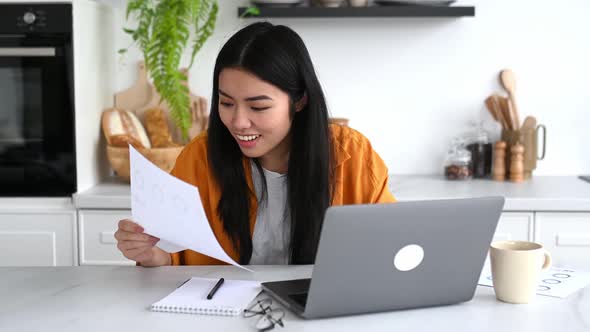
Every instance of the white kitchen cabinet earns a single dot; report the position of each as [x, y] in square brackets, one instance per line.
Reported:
[515, 226]
[567, 237]
[38, 238]
[98, 245]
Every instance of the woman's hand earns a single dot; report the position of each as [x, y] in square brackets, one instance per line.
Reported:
[138, 246]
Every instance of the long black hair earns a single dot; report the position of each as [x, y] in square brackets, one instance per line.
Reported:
[275, 54]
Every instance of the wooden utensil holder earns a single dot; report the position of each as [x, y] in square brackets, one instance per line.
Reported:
[528, 138]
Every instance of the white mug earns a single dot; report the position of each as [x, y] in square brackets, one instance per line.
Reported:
[516, 266]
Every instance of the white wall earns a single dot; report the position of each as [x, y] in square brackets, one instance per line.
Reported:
[411, 84]
[93, 74]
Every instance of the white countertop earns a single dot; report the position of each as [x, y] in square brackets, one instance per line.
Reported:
[106, 298]
[111, 195]
[542, 193]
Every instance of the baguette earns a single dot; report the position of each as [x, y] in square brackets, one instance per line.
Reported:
[157, 128]
[124, 141]
[117, 122]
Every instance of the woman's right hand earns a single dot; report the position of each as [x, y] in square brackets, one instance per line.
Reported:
[138, 246]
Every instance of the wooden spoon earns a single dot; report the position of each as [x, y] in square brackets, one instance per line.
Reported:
[508, 80]
[510, 113]
[501, 115]
[506, 112]
[491, 107]
[494, 108]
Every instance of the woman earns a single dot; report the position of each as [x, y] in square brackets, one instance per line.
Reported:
[270, 164]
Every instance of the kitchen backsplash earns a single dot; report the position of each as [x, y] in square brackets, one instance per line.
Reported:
[412, 84]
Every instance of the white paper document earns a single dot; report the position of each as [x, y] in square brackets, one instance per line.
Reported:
[554, 282]
[171, 210]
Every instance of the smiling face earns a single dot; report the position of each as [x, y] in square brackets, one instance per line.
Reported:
[256, 113]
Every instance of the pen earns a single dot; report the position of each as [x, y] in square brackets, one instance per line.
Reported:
[215, 288]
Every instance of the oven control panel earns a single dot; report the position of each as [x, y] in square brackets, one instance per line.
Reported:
[32, 18]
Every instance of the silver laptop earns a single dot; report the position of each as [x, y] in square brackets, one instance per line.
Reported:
[403, 255]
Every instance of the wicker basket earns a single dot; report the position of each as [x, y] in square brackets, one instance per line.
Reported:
[164, 158]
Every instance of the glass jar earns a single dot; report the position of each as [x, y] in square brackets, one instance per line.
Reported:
[458, 165]
[478, 143]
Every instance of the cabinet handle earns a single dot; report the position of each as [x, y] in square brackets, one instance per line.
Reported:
[27, 51]
[573, 240]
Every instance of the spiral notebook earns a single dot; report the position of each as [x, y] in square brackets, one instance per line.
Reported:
[191, 297]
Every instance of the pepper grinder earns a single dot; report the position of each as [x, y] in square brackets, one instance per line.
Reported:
[499, 171]
[517, 163]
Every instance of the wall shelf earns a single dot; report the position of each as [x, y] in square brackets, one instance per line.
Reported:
[371, 11]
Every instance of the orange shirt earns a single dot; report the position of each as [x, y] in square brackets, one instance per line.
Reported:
[360, 174]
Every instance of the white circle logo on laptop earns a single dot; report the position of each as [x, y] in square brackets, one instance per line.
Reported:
[408, 257]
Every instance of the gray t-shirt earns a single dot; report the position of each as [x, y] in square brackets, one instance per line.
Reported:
[271, 237]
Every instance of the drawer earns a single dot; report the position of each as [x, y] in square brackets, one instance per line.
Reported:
[38, 239]
[567, 237]
[515, 226]
[98, 245]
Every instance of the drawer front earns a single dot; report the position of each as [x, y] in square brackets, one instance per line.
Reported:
[98, 245]
[515, 226]
[567, 237]
[38, 239]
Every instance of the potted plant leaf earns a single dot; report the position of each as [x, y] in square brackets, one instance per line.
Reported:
[164, 31]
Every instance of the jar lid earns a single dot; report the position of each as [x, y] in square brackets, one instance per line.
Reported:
[479, 137]
[461, 155]
[478, 134]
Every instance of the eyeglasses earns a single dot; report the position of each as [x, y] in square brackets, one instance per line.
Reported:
[269, 317]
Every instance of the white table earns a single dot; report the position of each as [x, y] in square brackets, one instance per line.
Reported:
[117, 298]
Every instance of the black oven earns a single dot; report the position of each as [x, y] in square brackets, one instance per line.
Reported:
[37, 145]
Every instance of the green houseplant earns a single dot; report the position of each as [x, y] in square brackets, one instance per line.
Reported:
[165, 28]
